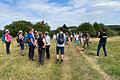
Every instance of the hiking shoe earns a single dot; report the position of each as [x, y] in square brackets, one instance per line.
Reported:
[97, 56]
[56, 62]
[22, 54]
[62, 63]
[105, 55]
[32, 59]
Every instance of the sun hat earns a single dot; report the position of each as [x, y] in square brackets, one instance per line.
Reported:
[46, 32]
[6, 30]
[20, 31]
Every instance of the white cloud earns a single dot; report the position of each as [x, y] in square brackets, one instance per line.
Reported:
[75, 12]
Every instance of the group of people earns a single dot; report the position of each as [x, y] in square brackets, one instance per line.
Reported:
[35, 39]
[83, 39]
[78, 38]
[41, 41]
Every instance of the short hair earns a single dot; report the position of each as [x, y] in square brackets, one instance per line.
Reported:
[40, 33]
[103, 29]
[61, 28]
[29, 29]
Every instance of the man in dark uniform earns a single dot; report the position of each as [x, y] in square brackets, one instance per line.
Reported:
[102, 42]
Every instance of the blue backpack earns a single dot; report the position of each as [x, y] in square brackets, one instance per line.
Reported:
[3, 38]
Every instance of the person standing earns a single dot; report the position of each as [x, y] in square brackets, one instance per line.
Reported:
[54, 37]
[8, 39]
[36, 35]
[21, 41]
[67, 38]
[60, 44]
[77, 39]
[26, 40]
[41, 48]
[31, 43]
[47, 38]
[102, 42]
[86, 37]
[71, 37]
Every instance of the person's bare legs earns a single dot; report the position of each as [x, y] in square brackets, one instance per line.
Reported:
[62, 58]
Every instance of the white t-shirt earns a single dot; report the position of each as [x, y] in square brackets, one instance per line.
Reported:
[47, 38]
[54, 36]
[77, 37]
[21, 37]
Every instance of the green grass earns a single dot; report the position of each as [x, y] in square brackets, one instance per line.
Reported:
[111, 63]
[75, 67]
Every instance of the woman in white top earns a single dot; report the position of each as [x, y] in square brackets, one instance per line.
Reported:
[77, 39]
[47, 39]
[54, 37]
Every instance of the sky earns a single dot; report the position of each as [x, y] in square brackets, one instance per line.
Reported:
[59, 12]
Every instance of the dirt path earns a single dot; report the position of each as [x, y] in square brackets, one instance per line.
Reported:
[66, 69]
[94, 65]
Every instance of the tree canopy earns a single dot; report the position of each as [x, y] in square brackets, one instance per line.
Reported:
[15, 26]
[42, 26]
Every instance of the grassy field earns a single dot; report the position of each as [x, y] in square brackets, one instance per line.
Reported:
[76, 65]
[111, 63]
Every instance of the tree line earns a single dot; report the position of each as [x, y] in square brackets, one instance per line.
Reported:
[42, 26]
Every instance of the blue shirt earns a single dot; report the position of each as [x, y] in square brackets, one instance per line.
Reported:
[30, 36]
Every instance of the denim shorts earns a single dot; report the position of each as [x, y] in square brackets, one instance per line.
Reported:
[61, 49]
[77, 42]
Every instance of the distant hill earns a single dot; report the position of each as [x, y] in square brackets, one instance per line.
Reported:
[114, 27]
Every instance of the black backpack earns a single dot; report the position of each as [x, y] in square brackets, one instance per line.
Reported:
[60, 38]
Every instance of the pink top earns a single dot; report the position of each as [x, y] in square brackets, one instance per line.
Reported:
[8, 38]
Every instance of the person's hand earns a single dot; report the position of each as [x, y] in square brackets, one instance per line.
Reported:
[43, 47]
[7, 41]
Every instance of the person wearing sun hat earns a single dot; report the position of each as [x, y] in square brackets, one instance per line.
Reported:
[21, 41]
[8, 39]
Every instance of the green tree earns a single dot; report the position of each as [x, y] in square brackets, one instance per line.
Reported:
[42, 27]
[92, 31]
[98, 26]
[1, 33]
[15, 26]
[84, 27]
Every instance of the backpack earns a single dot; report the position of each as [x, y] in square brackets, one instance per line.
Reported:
[60, 38]
[27, 39]
[3, 38]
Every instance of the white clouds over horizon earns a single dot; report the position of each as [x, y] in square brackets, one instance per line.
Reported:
[73, 12]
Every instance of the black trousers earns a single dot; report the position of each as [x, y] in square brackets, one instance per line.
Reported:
[47, 51]
[31, 51]
[8, 47]
[102, 45]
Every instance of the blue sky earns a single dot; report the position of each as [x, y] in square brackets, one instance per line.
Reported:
[59, 12]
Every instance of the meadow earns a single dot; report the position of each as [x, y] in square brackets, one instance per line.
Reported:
[78, 65]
